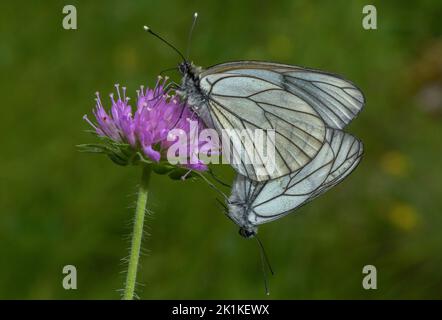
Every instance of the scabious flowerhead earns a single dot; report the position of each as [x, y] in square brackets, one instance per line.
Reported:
[156, 125]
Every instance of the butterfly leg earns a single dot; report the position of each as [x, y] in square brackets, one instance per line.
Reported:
[185, 175]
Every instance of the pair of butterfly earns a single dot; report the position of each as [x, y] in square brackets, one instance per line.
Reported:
[306, 108]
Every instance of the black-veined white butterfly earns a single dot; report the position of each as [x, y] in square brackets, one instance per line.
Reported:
[252, 203]
[299, 104]
[305, 108]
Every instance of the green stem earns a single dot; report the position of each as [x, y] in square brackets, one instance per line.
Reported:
[137, 235]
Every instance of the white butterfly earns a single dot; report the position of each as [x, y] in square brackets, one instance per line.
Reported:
[299, 104]
[253, 203]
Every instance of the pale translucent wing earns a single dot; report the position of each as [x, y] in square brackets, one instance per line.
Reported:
[242, 189]
[348, 153]
[270, 200]
[337, 100]
[273, 199]
[247, 103]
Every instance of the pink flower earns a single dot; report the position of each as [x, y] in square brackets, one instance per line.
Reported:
[149, 129]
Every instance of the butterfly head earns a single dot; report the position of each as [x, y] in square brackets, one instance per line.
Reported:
[190, 71]
[185, 68]
[238, 213]
[190, 89]
[248, 232]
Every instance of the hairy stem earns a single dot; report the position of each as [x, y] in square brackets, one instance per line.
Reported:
[137, 235]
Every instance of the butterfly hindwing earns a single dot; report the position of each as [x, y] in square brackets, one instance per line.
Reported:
[280, 196]
[273, 199]
[348, 153]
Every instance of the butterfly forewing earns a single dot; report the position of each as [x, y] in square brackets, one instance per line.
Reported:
[246, 102]
[297, 103]
[273, 199]
[335, 99]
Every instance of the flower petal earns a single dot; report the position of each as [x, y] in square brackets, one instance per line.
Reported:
[151, 153]
[197, 166]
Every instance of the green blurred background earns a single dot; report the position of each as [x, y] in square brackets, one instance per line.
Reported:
[59, 207]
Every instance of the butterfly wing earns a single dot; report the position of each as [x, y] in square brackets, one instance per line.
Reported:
[336, 99]
[258, 95]
[270, 200]
[241, 104]
[348, 154]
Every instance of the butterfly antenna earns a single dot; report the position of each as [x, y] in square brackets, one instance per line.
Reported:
[223, 205]
[167, 70]
[264, 261]
[165, 41]
[213, 186]
[218, 179]
[189, 39]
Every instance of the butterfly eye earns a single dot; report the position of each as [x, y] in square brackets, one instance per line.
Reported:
[246, 233]
[182, 67]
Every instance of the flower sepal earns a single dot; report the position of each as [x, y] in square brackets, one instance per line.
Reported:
[174, 172]
[123, 154]
[120, 153]
[162, 168]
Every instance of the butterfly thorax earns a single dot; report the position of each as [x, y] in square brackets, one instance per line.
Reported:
[191, 92]
[190, 89]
